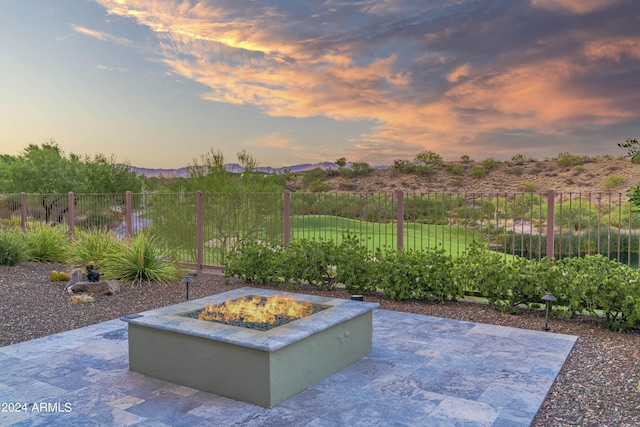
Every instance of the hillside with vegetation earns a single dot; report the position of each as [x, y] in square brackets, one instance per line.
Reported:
[565, 173]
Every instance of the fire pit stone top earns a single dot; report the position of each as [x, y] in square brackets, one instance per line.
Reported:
[171, 319]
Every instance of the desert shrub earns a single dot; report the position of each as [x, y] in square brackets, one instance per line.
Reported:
[400, 165]
[478, 171]
[519, 159]
[429, 158]
[144, 259]
[465, 159]
[93, 246]
[514, 170]
[316, 174]
[455, 169]
[567, 159]
[612, 181]
[253, 261]
[47, 244]
[360, 169]
[13, 247]
[529, 187]
[318, 186]
[490, 164]
[347, 186]
[423, 170]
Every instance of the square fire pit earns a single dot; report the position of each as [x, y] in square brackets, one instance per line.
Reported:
[259, 367]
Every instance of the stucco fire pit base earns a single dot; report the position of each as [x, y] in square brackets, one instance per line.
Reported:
[259, 367]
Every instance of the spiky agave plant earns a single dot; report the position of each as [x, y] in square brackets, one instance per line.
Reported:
[144, 259]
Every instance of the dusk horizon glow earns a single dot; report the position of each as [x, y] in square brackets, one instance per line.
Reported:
[157, 83]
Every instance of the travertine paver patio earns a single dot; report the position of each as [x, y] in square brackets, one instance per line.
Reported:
[422, 371]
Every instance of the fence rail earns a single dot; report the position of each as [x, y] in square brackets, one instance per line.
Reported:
[201, 228]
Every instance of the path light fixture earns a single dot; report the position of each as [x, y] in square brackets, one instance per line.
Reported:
[549, 298]
[187, 280]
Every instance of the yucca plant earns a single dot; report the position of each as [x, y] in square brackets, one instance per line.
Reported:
[13, 247]
[47, 244]
[144, 259]
[92, 247]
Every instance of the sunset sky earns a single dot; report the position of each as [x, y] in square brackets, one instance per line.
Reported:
[157, 83]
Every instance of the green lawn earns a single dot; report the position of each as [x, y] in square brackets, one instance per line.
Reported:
[452, 238]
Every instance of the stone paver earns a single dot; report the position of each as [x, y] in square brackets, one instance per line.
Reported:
[422, 371]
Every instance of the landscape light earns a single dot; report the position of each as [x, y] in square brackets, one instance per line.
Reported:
[549, 298]
[186, 281]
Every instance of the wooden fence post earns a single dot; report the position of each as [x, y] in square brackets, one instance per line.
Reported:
[128, 213]
[551, 197]
[71, 202]
[23, 210]
[400, 218]
[199, 230]
[287, 218]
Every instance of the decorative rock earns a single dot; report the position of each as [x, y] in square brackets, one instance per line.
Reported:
[105, 287]
[77, 275]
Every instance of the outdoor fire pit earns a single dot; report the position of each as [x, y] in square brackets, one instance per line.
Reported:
[263, 365]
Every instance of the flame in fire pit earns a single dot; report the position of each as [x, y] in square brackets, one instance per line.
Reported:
[258, 310]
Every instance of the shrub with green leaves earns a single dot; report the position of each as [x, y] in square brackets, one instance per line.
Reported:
[478, 171]
[594, 284]
[485, 271]
[529, 187]
[489, 164]
[514, 170]
[354, 266]
[409, 274]
[519, 159]
[318, 186]
[567, 159]
[465, 159]
[400, 165]
[93, 246]
[429, 158]
[13, 247]
[144, 259]
[455, 169]
[316, 174]
[310, 261]
[357, 169]
[47, 244]
[612, 181]
[253, 261]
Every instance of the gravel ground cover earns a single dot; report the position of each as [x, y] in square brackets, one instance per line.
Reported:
[599, 384]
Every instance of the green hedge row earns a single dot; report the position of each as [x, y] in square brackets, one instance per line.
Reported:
[592, 285]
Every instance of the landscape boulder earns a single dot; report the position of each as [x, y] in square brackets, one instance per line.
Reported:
[104, 287]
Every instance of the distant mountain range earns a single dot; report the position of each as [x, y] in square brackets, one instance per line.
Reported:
[236, 168]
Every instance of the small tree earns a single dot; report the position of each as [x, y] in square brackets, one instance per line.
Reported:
[633, 146]
[429, 158]
[634, 155]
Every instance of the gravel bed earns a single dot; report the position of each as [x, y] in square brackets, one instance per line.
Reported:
[599, 384]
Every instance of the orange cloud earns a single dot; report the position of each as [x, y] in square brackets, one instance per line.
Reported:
[579, 7]
[246, 56]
